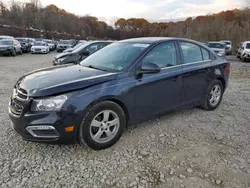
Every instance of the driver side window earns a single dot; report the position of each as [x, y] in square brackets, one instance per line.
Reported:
[163, 55]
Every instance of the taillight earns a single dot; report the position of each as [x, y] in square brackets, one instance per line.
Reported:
[227, 69]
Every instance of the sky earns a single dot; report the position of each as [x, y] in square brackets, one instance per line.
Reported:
[152, 10]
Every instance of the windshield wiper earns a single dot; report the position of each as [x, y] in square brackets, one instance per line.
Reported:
[92, 67]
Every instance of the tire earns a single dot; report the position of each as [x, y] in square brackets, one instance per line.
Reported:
[207, 102]
[21, 52]
[13, 52]
[242, 59]
[87, 131]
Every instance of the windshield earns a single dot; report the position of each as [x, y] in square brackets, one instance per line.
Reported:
[21, 40]
[40, 44]
[216, 45]
[115, 57]
[77, 46]
[6, 42]
[64, 42]
[248, 46]
[80, 47]
[48, 41]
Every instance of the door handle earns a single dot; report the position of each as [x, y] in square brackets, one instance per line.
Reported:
[175, 78]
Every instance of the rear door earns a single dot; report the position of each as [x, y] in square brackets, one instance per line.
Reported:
[197, 71]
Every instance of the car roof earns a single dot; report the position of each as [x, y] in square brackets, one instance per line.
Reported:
[151, 40]
[247, 42]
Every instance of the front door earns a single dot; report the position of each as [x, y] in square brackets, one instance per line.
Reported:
[159, 92]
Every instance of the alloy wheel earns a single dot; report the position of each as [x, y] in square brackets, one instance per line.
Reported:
[104, 126]
[215, 95]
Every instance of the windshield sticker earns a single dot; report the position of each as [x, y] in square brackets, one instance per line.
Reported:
[141, 45]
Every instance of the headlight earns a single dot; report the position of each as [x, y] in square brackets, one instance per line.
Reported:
[61, 59]
[49, 104]
[221, 53]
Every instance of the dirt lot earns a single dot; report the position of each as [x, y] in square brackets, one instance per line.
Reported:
[190, 148]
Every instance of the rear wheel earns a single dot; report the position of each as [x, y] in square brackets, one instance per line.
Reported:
[21, 52]
[102, 125]
[213, 96]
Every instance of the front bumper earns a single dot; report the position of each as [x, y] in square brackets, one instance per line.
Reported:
[5, 52]
[38, 51]
[47, 127]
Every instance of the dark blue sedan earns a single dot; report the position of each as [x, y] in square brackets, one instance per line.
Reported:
[123, 83]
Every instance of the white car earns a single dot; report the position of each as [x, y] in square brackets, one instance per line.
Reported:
[245, 51]
[229, 46]
[40, 47]
[218, 47]
[50, 43]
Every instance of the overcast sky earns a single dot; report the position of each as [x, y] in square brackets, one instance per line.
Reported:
[153, 10]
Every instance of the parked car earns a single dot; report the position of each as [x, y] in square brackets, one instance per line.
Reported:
[245, 51]
[25, 43]
[64, 44]
[72, 49]
[81, 41]
[218, 47]
[40, 47]
[32, 41]
[6, 37]
[238, 50]
[10, 47]
[126, 82]
[51, 44]
[229, 46]
[79, 53]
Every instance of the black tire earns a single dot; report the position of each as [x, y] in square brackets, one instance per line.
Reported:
[206, 102]
[21, 52]
[13, 53]
[84, 136]
[242, 59]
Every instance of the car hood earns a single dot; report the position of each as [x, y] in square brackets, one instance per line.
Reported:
[218, 49]
[68, 50]
[60, 79]
[62, 55]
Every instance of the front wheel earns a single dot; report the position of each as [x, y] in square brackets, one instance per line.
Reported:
[102, 126]
[213, 96]
[13, 52]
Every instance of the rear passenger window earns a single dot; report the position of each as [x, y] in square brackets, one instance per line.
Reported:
[191, 52]
[206, 54]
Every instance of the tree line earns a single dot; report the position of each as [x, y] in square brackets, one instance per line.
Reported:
[232, 25]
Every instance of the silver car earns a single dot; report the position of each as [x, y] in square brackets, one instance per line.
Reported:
[218, 47]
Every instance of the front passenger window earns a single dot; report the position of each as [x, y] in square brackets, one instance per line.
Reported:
[163, 55]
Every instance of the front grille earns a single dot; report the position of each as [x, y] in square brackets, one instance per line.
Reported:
[16, 108]
[22, 93]
[37, 49]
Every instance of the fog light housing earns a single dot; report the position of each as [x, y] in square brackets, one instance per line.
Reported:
[43, 131]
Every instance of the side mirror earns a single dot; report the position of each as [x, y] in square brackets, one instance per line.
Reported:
[149, 68]
[85, 53]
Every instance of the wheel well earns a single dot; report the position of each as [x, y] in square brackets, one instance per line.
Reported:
[121, 104]
[223, 82]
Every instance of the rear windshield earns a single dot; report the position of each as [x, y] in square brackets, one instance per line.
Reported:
[6, 42]
[248, 46]
[216, 45]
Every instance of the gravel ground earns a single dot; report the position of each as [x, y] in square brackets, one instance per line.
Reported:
[190, 148]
